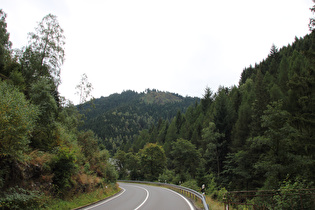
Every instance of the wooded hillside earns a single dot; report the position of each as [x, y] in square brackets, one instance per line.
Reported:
[117, 118]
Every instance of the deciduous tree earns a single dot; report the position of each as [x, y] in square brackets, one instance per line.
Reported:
[153, 161]
[48, 43]
[84, 89]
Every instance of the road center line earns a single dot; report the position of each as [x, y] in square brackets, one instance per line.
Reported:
[144, 199]
[107, 200]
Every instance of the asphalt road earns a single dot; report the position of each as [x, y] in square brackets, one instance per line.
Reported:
[142, 197]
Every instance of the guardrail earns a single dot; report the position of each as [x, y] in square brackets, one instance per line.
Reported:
[182, 190]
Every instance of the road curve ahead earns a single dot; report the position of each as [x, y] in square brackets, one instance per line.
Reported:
[144, 197]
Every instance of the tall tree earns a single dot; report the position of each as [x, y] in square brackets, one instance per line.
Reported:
[41, 95]
[186, 158]
[277, 161]
[207, 99]
[215, 152]
[283, 73]
[48, 42]
[5, 44]
[260, 104]
[170, 137]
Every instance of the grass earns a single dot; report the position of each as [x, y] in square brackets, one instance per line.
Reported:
[83, 199]
[214, 204]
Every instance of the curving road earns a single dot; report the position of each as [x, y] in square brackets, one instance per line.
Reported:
[142, 197]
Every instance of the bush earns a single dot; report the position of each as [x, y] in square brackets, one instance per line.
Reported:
[63, 167]
[221, 194]
[168, 176]
[19, 198]
[192, 184]
[292, 193]
[17, 120]
[111, 173]
[211, 185]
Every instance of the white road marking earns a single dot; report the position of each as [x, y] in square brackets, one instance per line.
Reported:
[112, 198]
[190, 205]
[144, 199]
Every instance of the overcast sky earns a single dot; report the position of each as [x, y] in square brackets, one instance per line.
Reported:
[171, 45]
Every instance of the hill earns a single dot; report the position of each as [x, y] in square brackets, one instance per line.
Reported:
[117, 118]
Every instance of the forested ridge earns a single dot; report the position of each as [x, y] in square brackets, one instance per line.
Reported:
[116, 119]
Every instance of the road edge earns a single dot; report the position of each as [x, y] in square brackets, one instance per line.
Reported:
[96, 202]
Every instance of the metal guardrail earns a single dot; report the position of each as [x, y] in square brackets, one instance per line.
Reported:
[182, 190]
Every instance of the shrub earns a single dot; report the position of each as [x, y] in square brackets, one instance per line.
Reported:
[292, 194]
[111, 173]
[19, 198]
[192, 184]
[63, 166]
[168, 176]
[17, 120]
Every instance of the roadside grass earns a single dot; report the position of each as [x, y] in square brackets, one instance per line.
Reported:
[82, 199]
[214, 204]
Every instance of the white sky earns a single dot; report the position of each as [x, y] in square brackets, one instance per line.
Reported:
[172, 45]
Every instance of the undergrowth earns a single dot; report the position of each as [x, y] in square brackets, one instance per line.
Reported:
[82, 199]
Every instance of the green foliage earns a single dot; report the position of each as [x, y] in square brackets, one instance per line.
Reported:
[83, 199]
[185, 158]
[221, 194]
[241, 138]
[88, 143]
[63, 166]
[215, 146]
[161, 98]
[210, 184]
[121, 164]
[17, 120]
[41, 95]
[133, 165]
[70, 117]
[48, 42]
[292, 194]
[192, 184]
[153, 161]
[5, 44]
[111, 174]
[251, 136]
[168, 176]
[116, 119]
[40, 145]
[19, 198]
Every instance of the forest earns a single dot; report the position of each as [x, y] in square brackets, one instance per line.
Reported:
[256, 135]
[43, 155]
